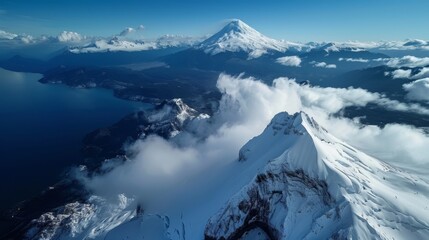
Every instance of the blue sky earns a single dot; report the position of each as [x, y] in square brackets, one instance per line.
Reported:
[297, 20]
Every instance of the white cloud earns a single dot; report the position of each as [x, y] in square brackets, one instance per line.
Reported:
[27, 39]
[399, 144]
[400, 73]
[140, 27]
[361, 60]
[291, 61]
[7, 35]
[408, 61]
[160, 172]
[415, 64]
[416, 43]
[423, 73]
[70, 37]
[323, 65]
[418, 90]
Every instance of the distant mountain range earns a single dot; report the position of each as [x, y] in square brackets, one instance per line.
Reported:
[236, 39]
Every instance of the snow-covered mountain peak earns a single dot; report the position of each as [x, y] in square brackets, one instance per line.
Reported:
[174, 108]
[358, 196]
[284, 129]
[331, 47]
[170, 116]
[237, 36]
[236, 25]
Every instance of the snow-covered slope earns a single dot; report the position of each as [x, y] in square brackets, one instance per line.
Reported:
[294, 181]
[237, 36]
[317, 187]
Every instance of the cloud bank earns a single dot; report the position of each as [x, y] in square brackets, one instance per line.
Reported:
[408, 61]
[408, 73]
[158, 170]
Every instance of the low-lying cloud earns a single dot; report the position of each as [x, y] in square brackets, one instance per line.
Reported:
[7, 35]
[160, 172]
[361, 60]
[408, 73]
[418, 90]
[408, 61]
[290, 61]
[401, 73]
[323, 65]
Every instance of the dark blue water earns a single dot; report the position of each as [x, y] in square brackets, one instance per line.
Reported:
[41, 129]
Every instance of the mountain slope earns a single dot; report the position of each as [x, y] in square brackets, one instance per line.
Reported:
[321, 188]
[294, 181]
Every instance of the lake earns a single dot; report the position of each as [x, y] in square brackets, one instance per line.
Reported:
[41, 129]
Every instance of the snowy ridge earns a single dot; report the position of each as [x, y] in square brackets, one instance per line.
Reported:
[114, 45]
[237, 36]
[321, 188]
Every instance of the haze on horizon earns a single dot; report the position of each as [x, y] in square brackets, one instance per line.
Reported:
[291, 20]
